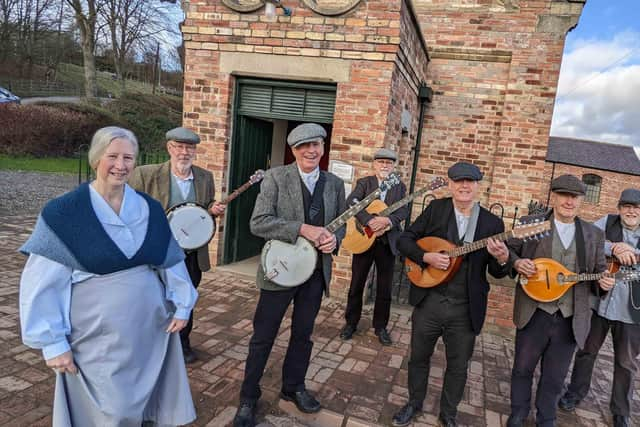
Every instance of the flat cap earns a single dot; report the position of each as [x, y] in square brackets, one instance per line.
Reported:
[569, 184]
[183, 135]
[385, 153]
[630, 196]
[304, 133]
[464, 170]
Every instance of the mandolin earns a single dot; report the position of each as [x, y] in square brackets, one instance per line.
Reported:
[552, 280]
[429, 276]
[359, 238]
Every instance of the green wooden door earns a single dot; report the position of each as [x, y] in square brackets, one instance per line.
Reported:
[251, 151]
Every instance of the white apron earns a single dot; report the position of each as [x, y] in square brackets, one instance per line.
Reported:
[130, 369]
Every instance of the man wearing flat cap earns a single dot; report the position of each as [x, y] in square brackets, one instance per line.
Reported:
[455, 309]
[175, 182]
[382, 252]
[294, 200]
[548, 332]
[615, 311]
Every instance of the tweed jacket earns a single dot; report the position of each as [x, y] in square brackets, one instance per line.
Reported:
[155, 180]
[279, 213]
[367, 185]
[592, 245]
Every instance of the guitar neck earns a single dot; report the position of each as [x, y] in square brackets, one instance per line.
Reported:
[238, 191]
[400, 203]
[352, 211]
[478, 244]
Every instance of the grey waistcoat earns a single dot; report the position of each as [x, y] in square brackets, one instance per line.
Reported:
[175, 195]
[569, 258]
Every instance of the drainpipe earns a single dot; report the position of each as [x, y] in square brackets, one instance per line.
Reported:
[425, 95]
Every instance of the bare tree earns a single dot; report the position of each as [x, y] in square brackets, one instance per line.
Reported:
[132, 24]
[86, 15]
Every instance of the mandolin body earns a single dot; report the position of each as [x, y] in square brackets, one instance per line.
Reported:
[429, 277]
[547, 284]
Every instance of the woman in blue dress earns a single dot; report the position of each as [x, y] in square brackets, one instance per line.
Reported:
[103, 294]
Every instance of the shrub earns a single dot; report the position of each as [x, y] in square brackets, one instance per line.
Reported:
[55, 130]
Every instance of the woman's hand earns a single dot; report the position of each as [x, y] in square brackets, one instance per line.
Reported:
[63, 363]
[176, 325]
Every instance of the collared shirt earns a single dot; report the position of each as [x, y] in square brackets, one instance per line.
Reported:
[310, 179]
[45, 285]
[615, 304]
[462, 221]
[565, 231]
[184, 183]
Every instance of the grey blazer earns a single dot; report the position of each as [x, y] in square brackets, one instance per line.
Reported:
[595, 262]
[155, 181]
[279, 213]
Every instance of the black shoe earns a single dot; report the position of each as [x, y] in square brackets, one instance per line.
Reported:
[447, 421]
[245, 416]
[568, 402]
[404, 416]
[620, 421]
[189, 355]
[383, 336]
[347, 332]
[304, 401]
[515, 421]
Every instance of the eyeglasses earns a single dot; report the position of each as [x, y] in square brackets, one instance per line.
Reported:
[630, 207]
[189, 148]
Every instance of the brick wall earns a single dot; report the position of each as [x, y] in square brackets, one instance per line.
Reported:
[494, 67]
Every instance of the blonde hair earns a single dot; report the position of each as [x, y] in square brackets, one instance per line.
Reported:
[103, 137]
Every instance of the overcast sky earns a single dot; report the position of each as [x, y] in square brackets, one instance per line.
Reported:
[599, 88]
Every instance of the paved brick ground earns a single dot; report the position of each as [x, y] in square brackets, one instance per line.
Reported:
[361, 383]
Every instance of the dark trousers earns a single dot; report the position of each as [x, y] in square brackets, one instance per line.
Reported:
[548, 337]
[196, 275]
[380, 253]
[271, 308]
[436, 316]
[626, 347]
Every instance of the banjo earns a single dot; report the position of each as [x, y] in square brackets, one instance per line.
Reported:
[191, 223]
[291, 265]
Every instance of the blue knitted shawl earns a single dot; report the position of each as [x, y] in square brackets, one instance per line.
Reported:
[69, 232]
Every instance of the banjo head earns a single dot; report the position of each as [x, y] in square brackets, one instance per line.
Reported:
[288, 265]
[191, 225]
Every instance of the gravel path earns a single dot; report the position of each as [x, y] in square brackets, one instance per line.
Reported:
[26, 192]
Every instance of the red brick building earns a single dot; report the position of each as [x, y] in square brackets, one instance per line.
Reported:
[446, 80]
[607, 169]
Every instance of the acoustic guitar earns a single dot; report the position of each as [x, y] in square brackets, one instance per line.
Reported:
[430, 276]
[552, 280]
[359, 238]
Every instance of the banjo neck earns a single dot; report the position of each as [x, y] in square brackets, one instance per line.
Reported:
[238, 191]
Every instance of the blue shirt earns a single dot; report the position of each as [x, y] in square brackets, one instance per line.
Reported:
[45, 285]
[615, 305]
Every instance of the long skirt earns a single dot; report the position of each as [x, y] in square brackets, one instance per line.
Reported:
[130, 369]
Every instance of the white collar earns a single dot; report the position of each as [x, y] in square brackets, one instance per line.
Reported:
[314, 174]
[189, 178]
[130, 211]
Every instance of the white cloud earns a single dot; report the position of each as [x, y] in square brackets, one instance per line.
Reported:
[599, 91]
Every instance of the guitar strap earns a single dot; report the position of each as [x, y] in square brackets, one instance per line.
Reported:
[470, 232]
[316, 199]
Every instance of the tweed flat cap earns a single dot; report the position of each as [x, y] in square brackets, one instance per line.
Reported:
[464, 170]
[569, 184]
[630, 196]
[385, 153]
[304, 133]
[183, 135]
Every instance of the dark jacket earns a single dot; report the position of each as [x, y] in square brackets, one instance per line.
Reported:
[366, 186]
[590, 252]
[438, 220]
